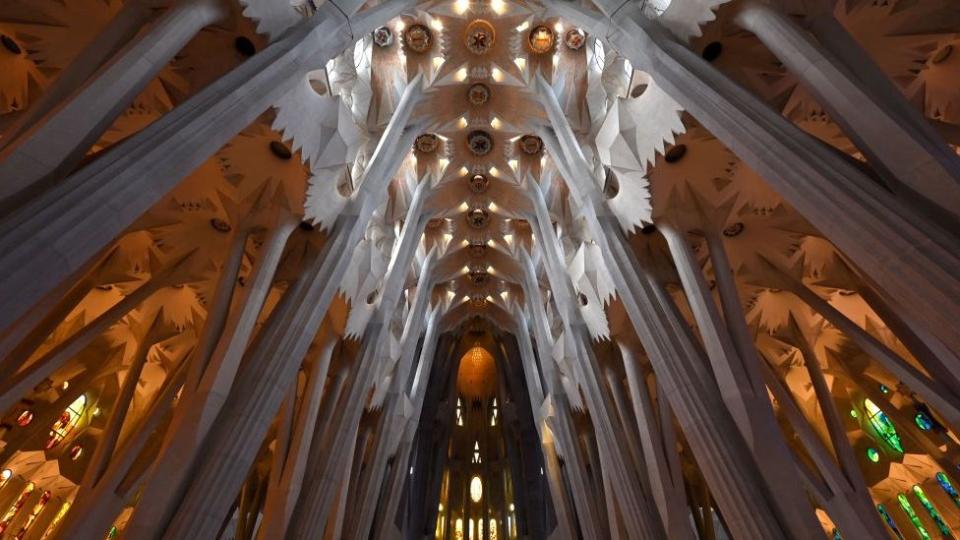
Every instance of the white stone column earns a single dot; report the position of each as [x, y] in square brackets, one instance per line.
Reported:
[739, 381]
[47, 240]
[55, 144]
[118, 32]
[913, 260]
[319, 485]
[891, 145]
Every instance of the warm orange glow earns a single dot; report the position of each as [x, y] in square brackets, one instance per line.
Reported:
[477, 376]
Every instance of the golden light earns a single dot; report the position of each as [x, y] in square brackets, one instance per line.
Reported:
[461, 6]
[521, 63]
[437, 62]
[461, 75]
[495, 123]
[462, 123]
[496, 74]
[437, 25]
[524, 26]
[476, 489]
[463, 207]
[498, 6]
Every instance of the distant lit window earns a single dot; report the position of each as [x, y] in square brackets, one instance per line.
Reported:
[882, 425]
[494, 413]
[68, 420]
[932, 511]
[459, 412]
[914, 518]
[476, 453]
[5, 476]
[948, 488]
[923, 421]
[15, 508]
[889, 521]
[476, 489]
[24, 418]
[37, 508]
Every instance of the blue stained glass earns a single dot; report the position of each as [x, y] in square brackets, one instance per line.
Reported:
[923, 421]
[948, 488]
[836, 534]
[890, 523]
[932, 510]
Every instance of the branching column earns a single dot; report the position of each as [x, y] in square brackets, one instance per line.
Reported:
[914, 261]
[47, 240]
[889, 143]
[56, 144]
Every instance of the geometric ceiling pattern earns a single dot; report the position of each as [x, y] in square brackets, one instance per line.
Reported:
[479, 269]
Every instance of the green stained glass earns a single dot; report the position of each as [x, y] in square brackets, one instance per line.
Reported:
[882, 425]
[948, 488]
[873, 455]
[112, 533]
[908, 510]
[923, 421]
[889, 520]
[884, 389]
[932, 510]
[854, 413]
[836, 534]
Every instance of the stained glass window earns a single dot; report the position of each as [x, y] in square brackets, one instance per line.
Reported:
[923, 421]
[15, 508]
[5, 476]
[37, 508]
[836, 534]
[882, 425]
[459, 412]
[932, 510]
[948, 488]
[494, 413]
[56, 520]
[908, 510]
[493, 529]
[458, 529]
[890, 523]
[873, 455]
[68, 420]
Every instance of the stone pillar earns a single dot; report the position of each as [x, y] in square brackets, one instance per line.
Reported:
[739, 381]
[55, 145]
[892, 146]
[913, 260]
[47, 240]
[315, 502]
[203, 399]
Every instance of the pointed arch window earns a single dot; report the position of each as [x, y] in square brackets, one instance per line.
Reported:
[948, 488]
[476, 453]
[68, 420]
[37, 508]
[15, 508]
[883, 425]
[459, 412]
[494, 413]
[932, 511]
[889, 520]
[914, 518]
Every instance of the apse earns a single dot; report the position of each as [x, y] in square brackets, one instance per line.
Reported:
[479, 269]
